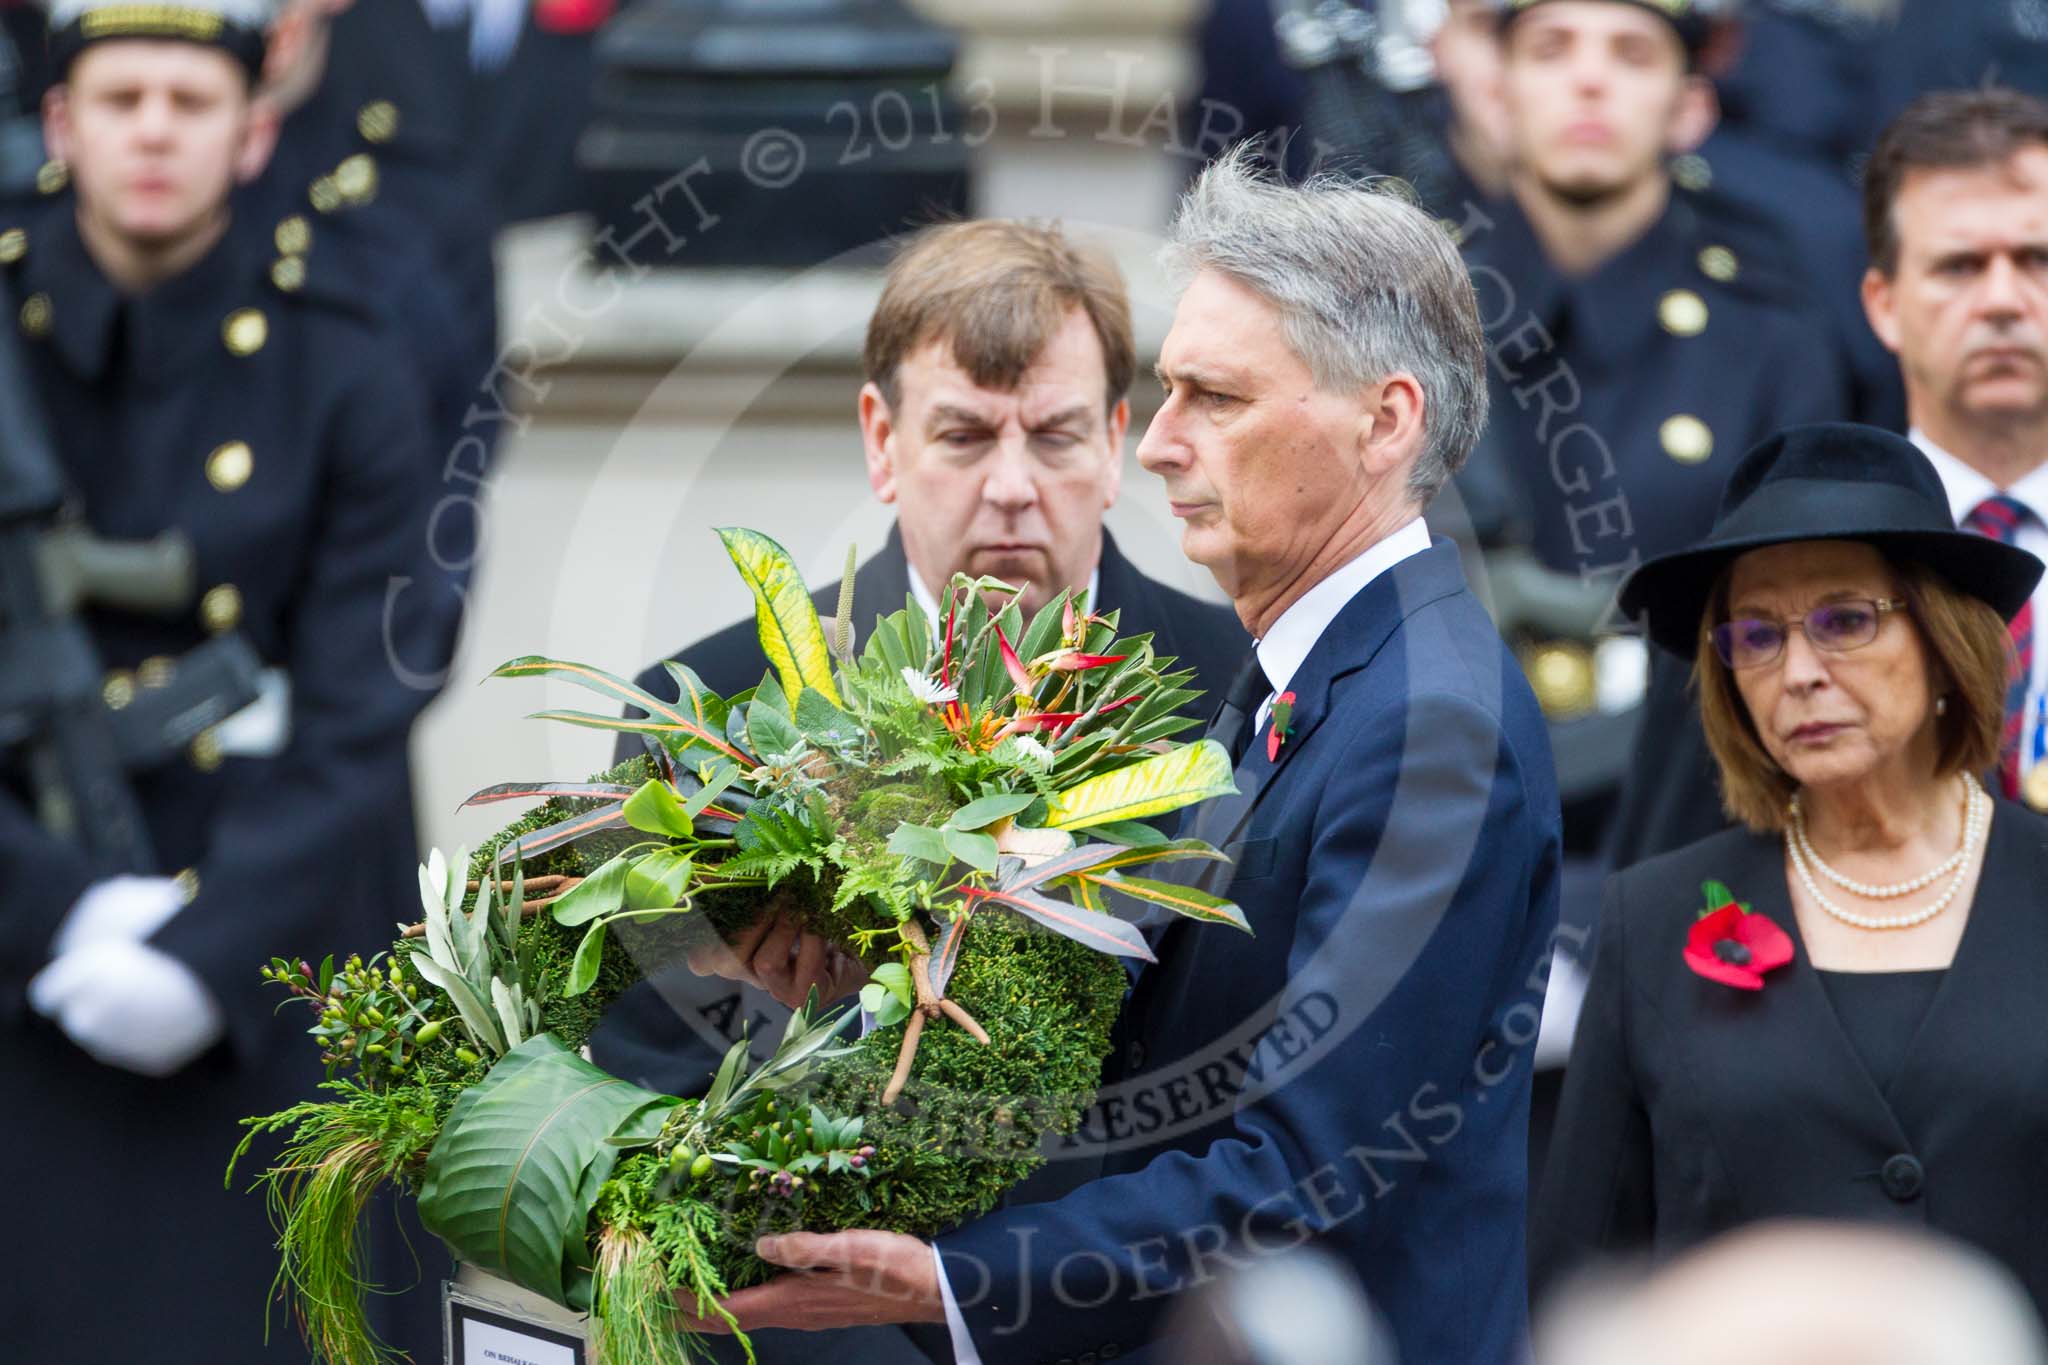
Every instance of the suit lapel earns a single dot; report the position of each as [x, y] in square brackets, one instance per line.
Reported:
[1351, 642]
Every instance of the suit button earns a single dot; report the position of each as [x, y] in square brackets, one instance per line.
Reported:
[1087, 1358]
[1902, 1177]
[1134, 1056]
[1111, 1351]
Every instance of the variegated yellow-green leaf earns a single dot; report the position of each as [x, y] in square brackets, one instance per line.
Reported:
[790, 634]
[1150, 787]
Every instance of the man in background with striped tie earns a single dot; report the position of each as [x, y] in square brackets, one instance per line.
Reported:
[1955, 214]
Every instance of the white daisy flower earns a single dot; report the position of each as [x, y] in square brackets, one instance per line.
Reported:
[928, 690]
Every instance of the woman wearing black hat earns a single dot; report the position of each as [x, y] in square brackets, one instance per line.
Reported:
[1832, 1012]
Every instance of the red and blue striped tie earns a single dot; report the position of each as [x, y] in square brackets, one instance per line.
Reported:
[2000, 517]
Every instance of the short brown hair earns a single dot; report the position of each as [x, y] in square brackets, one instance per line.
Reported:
[997, 290]
[1970, 647]
[1945, 130]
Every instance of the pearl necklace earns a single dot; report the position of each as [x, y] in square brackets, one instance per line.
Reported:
[1796, 830]
[1976, 818]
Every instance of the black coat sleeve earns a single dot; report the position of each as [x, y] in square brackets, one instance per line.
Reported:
[1596, 1193]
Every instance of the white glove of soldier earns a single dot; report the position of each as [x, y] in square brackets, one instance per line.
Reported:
[125, 1003]
[131, 908]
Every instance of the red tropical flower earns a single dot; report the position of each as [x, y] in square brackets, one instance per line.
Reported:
[1735, 946]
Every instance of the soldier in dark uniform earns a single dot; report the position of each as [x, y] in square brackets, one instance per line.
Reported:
[187, 388]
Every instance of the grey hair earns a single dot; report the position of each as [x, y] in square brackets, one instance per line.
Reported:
[1367, 285]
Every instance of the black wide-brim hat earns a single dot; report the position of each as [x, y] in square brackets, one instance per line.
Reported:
[1827, 481]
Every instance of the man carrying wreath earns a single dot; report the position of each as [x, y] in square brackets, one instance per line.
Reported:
[1358, 1075]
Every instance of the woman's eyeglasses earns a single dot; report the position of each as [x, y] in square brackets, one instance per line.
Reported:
[1834, 627]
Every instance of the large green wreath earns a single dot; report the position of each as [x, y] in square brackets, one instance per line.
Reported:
[917, 802]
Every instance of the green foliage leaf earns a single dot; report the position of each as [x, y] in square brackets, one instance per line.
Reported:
[987, 810]
[658, 880]
[882, 1003]
[721, 778]
[656, 809]
[504, 1183]
[920, 841]
[1182, 900]
[518, 791]
[1133, 833]
[476, 1015]
[589, 957]
[600, 893]
[823, 723]
[790, 634]
[667, 717]
[1104, 933]
[1149, 787]
[894, 977]
[770, 732]
[978, 851]
[1100, 859]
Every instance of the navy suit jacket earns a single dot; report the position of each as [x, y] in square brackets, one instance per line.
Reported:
[1357, 1073]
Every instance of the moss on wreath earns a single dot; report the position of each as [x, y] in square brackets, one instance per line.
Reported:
[967, 1129]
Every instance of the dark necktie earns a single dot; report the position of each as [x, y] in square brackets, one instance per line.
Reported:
[2000, 517]
[1232, 727]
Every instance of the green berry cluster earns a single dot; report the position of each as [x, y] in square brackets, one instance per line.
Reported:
[370, 1015]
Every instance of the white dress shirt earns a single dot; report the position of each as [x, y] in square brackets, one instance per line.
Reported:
[1282, 652]
[1966, 488]
[1286, 645]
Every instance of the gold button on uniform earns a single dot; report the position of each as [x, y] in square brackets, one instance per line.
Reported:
[294, 236]
[2035, 788]
[117, 689]
[156, 671]
[1686, 438]
[378, 120]
[230, 465]
[245, 331]
[13, 246]
[323, 195]
[1692, 172]
[35, 315]
[288, 273]
[1719, 263]
[205, 751]
[356, 178]
[1561, 676]
[52, 176]
[1682, 313]
[221, 609]
[187, 882]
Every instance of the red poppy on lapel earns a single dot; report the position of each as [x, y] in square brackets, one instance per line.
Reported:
[1733, 945]
[1283, 716]
[571, 16]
